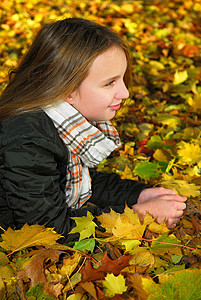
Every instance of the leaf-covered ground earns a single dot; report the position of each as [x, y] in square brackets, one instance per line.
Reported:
[160, 128]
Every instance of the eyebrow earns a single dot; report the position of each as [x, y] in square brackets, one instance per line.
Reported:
[110, 79]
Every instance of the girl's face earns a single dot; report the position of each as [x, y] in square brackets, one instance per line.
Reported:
[100, 94]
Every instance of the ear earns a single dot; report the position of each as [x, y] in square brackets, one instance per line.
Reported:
[71, 98]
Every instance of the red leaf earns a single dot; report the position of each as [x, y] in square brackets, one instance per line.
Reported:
[107, 266]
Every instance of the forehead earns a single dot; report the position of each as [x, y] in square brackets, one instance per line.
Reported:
[112, 62]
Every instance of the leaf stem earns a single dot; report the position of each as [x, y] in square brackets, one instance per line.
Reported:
[174, 244]
[6, 255]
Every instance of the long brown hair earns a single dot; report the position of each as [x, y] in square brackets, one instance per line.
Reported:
[56, 64]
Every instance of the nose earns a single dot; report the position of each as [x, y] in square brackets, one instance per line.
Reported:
[122, 92]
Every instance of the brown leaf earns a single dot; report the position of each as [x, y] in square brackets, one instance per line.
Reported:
[136, 282]
[196, 224]
[107, 266]
[35, 271]
[53, 289]
[89, 288]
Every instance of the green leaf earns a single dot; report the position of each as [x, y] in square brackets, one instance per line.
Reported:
[85, 245]
[165, 244]
[162, 166]
[84, 226]
[176, 258]
[155, 142]
[38, 292]
[183, 285]
[147, 170]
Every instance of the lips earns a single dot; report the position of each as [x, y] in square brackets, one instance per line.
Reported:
[115, 107]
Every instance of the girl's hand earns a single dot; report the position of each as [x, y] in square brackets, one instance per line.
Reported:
[161, 204]
[150, 193]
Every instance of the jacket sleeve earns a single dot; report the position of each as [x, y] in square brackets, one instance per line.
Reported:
[111, 190]
[34, 189]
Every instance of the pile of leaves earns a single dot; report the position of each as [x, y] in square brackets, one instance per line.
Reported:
[129, 260]
[160, 128]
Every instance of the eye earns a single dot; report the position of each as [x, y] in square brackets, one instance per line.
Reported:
[110, 83]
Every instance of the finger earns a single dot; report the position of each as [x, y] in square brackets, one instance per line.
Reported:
[178, 213]
[180, 205]
[164, 191]
[172, 221]
[170, 192]
[174, 198]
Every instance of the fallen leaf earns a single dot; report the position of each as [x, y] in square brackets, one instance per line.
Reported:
[28, 236]
[158, 228]
[37, 292]
[106, 266]
[114, 285]
[136, 283]
[72, 282]
[165, 244]
[7, 272]
[84, 226]
[147, 170]
[182, 187]
[177, 286]
[171, 121]
[180, 76]
[69, 264]
[108, 220]
[143, 259]
[35, 269]
[189, 153]
[89, 288]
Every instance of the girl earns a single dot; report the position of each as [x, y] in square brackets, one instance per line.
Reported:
[55, 129]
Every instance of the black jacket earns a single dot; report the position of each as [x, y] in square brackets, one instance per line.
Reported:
[33, 163]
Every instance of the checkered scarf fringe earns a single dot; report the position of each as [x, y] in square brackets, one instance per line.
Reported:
[88, 143]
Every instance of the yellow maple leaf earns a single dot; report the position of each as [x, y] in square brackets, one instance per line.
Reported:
[108, 220]
[182, 187]
[158, 228]
[130, 217]
[114, 285]
[127, 226]
[124, 230]
[153, 226]
[189, 153]
[28, 236]
[148, 219]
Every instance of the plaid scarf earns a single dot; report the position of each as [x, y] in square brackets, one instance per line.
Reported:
[87, 143]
